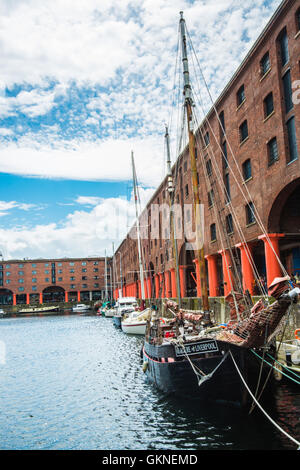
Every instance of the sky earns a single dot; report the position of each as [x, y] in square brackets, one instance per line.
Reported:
[84, 83]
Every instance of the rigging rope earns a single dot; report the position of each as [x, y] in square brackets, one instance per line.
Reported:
[282, 365]
[236, 163]
[261, 408]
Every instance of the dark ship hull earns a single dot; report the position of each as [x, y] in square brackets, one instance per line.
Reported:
[173, 373]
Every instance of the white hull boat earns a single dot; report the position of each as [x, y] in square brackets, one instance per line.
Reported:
[80, 308]
[135, 323]
[109, 313]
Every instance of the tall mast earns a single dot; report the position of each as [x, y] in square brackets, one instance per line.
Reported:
[138, 229]
[190, 122]
[106, 292]
[172, 224]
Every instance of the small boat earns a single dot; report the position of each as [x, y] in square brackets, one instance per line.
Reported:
[39, 309]
[80, 308]
[125, 305]
[109, 313]
[2, 313]
[135, 323]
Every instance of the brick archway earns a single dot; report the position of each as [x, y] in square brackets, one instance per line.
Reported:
[281, 206]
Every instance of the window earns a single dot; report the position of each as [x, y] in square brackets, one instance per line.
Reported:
[186, 190]
[7, 266]
[283, 47]
[21, 273]
[46, 265]
[210, 198]
[298, 19]
[250, 217]
[46, 271]
[206, 139]
[7, 281]
[59, 264]
[224, 156]
[227, 187]
[222, 122]
[95, 270]
[240, 95]
[265, 64]
[83, 263]
[21, 265]
[83, 270]
[33, 288]
[185, 166]
[213, 233]
[287, 91]
[21, 281]
[72, 264]
[33, 272]
[208, 167]
[72, 270]
[96, 284]
[7, 273]
[268, 105]
[95, 263]
[291, 129]
[272, 151]
[46, 279]
[72, 278]
[84, 286]
[33, 265]
[34, 279]
[247, 171]
[60, 279]
[243, 131]
[229, 224]
[84, 278]
[96, 277]
[21, 289]
[72, 286]
[60, 271]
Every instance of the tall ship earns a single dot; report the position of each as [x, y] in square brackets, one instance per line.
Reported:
[192, 354]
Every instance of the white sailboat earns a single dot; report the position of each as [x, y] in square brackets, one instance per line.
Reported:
[136, 322]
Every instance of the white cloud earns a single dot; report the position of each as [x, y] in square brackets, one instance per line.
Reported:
[83, 233]
[108, 160]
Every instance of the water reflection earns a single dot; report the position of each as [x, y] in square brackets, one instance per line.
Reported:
[76, 382]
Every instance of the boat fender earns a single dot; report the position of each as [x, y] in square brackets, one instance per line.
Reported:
[297, 333]
[145, 366]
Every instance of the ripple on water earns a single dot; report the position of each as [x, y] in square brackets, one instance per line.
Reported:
[75, 382]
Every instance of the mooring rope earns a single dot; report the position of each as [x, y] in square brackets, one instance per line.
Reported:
[282, 365]
[201, 376]
[261, 408]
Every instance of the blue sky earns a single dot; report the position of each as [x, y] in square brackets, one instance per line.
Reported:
[81, 85]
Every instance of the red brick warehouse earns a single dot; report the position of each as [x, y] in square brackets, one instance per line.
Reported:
[52, 280]
[260, 112]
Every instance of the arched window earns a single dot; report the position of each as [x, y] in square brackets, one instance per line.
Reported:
[247, 171]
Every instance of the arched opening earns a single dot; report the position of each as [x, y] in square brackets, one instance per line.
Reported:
[187, 267]
[152, 284]
[284, 217]
[53, 294]
[6, 297]
[136, 284]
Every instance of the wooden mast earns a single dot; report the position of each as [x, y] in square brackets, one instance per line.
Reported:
[172, 222]
[138, 232]
[190, 123]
